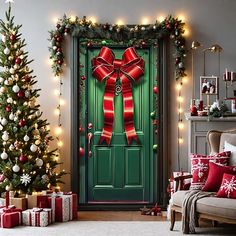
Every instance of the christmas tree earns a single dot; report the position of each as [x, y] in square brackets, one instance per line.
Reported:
[26, 163]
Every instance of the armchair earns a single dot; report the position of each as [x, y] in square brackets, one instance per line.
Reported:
[212, 208]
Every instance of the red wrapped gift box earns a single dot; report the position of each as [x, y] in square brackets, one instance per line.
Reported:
[64, 206]
[10, 217]
[37, 201]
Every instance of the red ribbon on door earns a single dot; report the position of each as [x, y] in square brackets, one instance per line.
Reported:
[129, 68]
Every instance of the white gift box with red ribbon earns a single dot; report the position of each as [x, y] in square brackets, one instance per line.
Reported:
[41, 217]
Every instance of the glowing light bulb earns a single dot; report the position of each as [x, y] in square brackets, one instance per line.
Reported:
[60, 144]
[181, 140]
[181, 17]
[186, 32]
[72, 18]
[50, 61]
[56, 92]
[58, 130]
[180, 99]
[55, 19]
[180, 110]
[93, 19]
[57, 111]
[181, 125]
[160, 18]
[185, 80]
[120, 22]
[48, 127]
[178, 87]
[145, 21]
[56, 78]
[62, 102]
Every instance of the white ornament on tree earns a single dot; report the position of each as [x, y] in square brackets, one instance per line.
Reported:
[33, 148]
[1, 127]
[9, 100]
[25, 179]
[1, 80]
[37, 113]
[4, 155]
[4, 121]
[12, 70]
[16, 168]
[11, 147]
[27, 93]
[6, 82]
[15, 88]
[11, 116]
[5, 136]
[16, 118]
[39, 162]
[26, 138]
[6, 51]
[4, 38]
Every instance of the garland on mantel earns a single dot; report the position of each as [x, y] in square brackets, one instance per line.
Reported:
[137, 35]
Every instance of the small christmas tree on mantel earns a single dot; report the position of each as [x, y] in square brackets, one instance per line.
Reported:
[26, 164]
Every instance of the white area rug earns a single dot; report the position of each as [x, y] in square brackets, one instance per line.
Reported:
[109, 228]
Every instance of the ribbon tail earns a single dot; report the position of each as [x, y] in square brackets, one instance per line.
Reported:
[128, 110]
[108, 108]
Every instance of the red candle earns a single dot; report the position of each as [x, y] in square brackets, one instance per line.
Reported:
[7, 199]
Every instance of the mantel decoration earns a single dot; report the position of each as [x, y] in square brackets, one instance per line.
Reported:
[138, 36]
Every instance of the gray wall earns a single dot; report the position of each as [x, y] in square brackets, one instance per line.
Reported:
[209, 21]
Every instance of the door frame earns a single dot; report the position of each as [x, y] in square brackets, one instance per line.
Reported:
[161, 158]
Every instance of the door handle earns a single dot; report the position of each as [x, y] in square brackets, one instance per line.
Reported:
[90, 136]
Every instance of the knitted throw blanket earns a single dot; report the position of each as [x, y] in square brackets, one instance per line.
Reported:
[189, 214]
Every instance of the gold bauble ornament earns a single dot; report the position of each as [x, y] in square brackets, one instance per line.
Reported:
[37, 142]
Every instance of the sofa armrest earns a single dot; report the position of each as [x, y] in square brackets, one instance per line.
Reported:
[180, 181]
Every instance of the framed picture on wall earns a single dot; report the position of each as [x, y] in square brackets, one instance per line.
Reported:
[209, 85]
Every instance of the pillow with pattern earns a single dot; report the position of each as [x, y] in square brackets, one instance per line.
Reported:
[200, 167]
[228, 186]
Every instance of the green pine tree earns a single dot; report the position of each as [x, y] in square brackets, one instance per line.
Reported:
[26, 164]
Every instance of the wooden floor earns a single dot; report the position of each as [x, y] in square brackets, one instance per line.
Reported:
[118, 216]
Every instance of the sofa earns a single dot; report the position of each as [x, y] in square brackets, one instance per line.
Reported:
[212, 208]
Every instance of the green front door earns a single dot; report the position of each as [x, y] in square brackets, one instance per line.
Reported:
[120, 172]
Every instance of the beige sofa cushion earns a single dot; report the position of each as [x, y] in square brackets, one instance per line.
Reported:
[223, 207]
[178, 197]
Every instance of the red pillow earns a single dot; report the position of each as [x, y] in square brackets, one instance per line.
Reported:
[200, 167]
[216, 172]
[228, 186]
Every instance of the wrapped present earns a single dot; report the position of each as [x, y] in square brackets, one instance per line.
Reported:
[64, 206]
[19, 202]
[37, 200]
[10, 217]
[2, 202]
[40, 217]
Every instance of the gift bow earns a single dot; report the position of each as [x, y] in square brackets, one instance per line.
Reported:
[129, 68]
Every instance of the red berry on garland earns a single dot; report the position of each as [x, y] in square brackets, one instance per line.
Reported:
[155, 89]
[168, 26]
[89, 44]
[59, 39]
[12, 37]
[81, 129]
[18, 61]
[59, 49]
[177, 60]
[67, 30]
[8, 108]
[26, 78]
[81, 152]
[60, 62]
[22, 123]
[20, 94]
[83, 77]
[143, 44]
[23, 158]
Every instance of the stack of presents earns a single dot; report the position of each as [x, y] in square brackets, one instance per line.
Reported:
[40, 209]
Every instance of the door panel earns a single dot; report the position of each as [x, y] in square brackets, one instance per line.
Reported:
[119, 172]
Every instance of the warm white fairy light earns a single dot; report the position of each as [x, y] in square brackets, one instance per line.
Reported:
[181, 141]
[120, 22]
[72, 18]
[181, 125]
[160, 18]
[93, 19]
[145, 21]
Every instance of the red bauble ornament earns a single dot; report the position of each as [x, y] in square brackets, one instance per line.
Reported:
[59, 39]
[67, 30]
[90, 125]
[22, 123]
[60, 62]
[81, 129]
[18, 61]
[177, 60]
[20, 94]
[89, 44]
[155, 89]
[59, 50]
[81, 152]
[83, 77]
[23, 158]
[26, 78]
[12, 37]
[8, 108]
[143, 44]
[193, 111]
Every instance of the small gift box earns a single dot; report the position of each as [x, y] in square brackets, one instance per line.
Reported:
[37, 217]
[19, 202]
[2, 202]
[37, 200]
[64, 206]
[10, 217]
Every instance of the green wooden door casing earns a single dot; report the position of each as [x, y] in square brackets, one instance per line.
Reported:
[120, 172]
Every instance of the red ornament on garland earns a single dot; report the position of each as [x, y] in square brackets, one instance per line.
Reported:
[26, 78]
[89, 44]
[60, 62]
[23, 158]
[83, 77]
[12, 37]
[18, 61]
[67, 30]
[22, 123]
[59, 49]
[81, 129]
[81, 152]
[90, 125]
[59, 39]
[20, 94]
[155, 89]
[143, 44]
[8, 108]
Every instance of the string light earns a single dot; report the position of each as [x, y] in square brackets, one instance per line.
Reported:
[145, 21]
[72, 18]
[120, 22]
[160, 18]
[93, 19]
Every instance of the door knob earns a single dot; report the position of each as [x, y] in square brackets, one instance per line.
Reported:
[90, 136]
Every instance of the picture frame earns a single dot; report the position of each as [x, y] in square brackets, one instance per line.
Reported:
[209, 85]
